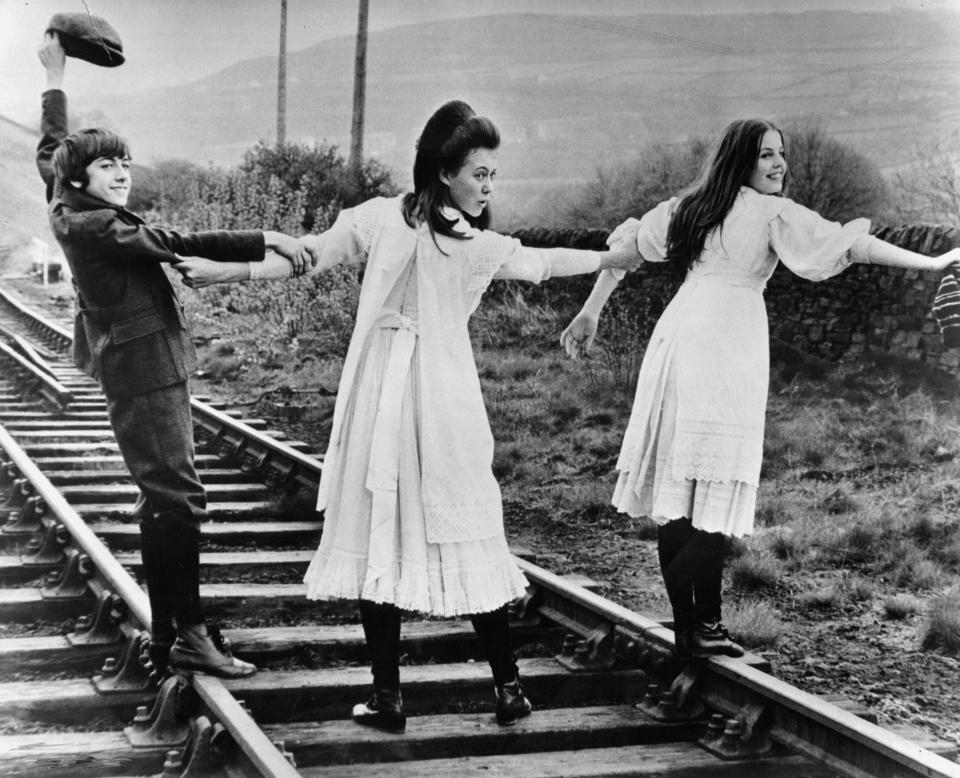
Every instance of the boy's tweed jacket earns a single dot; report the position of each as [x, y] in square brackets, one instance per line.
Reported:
[130, 330]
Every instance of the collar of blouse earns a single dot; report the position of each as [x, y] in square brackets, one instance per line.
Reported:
[460, 225]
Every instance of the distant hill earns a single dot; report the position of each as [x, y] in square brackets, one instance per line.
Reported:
[571, 93]
[23, 207]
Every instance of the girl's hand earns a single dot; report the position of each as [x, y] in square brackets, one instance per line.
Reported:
[945, 260]
[312, 244]
[577, 338]
[626, 231]
[300, 254]
[198, 272]
[623, 255]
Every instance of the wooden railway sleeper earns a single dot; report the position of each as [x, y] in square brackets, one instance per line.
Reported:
[72, 582]
[27, 519]
[166, 724]
[47, 546]
[102, 627]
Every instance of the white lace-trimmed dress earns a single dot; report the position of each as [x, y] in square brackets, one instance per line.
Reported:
[412, 512]
[694, 442]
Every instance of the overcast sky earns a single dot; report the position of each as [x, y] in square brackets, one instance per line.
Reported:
[174, 41]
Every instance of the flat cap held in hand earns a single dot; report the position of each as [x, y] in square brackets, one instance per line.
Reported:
[88, 37]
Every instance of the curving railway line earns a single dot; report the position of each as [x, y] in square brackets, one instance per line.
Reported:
[78, 697]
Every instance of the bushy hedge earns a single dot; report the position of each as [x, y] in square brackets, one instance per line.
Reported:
[292, 188]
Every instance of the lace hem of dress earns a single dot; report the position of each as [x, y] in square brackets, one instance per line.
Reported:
[717, 466]
[706, 451]
[432, 589]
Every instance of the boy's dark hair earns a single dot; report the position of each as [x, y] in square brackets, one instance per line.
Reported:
[449, 136]
[79, 149]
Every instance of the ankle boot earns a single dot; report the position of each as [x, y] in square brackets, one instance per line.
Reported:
[202, 649]
[384, 710]
[512, 703]
[712, 639]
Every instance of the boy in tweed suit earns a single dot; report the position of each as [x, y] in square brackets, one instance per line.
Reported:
[130, 333]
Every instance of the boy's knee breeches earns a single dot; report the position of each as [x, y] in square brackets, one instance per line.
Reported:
[155, 434]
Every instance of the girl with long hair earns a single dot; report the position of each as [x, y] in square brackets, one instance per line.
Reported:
[691, 454]
[413, 516]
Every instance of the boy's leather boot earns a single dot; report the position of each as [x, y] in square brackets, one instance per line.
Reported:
[204, 650]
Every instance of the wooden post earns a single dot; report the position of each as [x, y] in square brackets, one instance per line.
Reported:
[282, 78]
[359, 96]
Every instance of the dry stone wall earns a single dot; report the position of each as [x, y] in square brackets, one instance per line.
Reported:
[867, 308]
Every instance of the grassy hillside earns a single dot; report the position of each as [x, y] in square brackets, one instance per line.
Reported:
[570, 92]
[23, 212]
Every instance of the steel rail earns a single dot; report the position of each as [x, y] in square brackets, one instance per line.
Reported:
[254, 744]
[38, 322]
[48, 386]
[818, 730]
[257, 450]
[27, 349]
[262, 753]
[233, 437]
[101, 557]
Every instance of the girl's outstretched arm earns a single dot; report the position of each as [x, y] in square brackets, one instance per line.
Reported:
[874, 251]
[577, 338]
[198, 272]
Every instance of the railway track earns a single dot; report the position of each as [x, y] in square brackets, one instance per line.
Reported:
[77, 698]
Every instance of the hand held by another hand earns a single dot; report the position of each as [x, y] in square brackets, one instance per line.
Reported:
[293, 249]
[623, 255]
[197, 272]
[625, 231]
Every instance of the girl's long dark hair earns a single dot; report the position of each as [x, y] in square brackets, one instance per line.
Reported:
[449, 136]
[705, 203]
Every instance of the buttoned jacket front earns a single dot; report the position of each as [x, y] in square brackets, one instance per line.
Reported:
[130, 331]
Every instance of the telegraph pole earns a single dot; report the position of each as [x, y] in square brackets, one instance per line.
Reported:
[359, 95]
[282, 78]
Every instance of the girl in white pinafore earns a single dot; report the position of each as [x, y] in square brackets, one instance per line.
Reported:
[691, 453]
[413, 516]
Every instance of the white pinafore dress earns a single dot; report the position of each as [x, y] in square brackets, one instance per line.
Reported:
[694, 442]
[376, 550]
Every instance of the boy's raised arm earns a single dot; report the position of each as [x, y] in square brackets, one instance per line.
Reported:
[53, 117]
